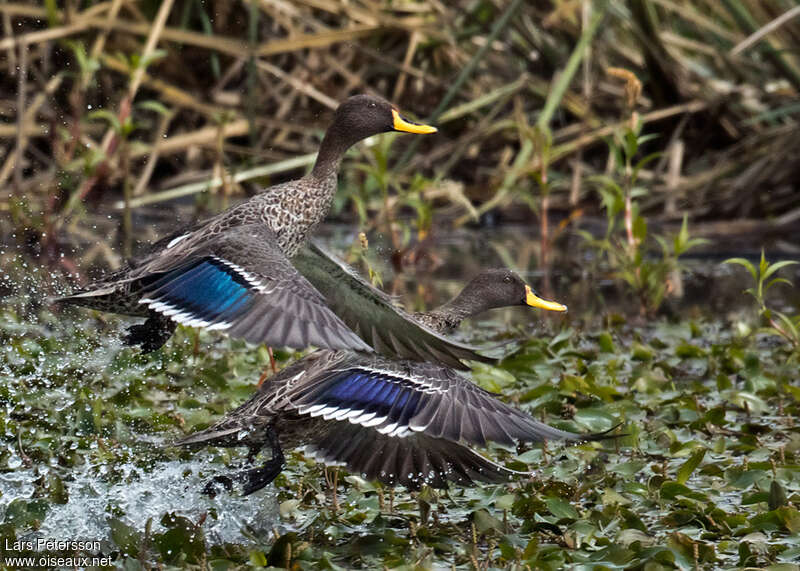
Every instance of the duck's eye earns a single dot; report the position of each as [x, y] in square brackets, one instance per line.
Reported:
[372, 105]
[507, 279]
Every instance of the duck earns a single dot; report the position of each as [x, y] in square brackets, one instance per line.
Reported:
[233, 272]
[375, 318]
[395, 421]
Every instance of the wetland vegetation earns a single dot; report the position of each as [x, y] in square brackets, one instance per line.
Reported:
[634, 160]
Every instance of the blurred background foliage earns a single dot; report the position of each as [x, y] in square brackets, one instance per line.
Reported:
[130, 109]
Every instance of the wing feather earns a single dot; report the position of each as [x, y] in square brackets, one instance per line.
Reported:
[371, 313]
[399, 398]
[411, 462]
[241, 282]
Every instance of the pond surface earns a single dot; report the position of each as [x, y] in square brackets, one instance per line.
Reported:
[87, 423]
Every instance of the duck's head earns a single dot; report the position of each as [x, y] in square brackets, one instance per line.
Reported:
[502, 288]
[357, 118]
[362, 116]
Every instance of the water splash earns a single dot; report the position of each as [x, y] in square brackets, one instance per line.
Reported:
[51, 368]
[142, 494]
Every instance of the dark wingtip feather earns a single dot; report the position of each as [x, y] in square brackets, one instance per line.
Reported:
[605, 435]
[410, 462]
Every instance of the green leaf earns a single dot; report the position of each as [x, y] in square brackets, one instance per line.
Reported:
[125, 537]
[559, 341]
[605, 342]
[642, 352]
[649, 137]
[631, 144]
[561, 509]
[484, 521]
[51, 7]
[595, 419]
[152, 105]
[644, 162]
[672, 490]
[182, 538]
[775, 267]
[777, 496]
[22, 512]
[745, 264]
[790, 518]
[689, 466]
[492, 378]
[774, 281]
[640, 229]
[258, 558]
[106, 115]
[789, 325]
[153, 56]
[689, 351]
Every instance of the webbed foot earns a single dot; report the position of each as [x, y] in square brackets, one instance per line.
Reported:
[253, 479]
[152, 334]
[212, 487]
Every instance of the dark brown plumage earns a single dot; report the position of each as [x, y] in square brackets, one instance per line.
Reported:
[232, 272]
[396, 421]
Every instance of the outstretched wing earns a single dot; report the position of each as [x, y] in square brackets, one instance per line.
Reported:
[401, 398]
[411, 462]
[371, 314]
[240, 282]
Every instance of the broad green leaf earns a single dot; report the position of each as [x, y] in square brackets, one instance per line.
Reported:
[561, 508]
[777, 495]
[125, 537]
[484, 521]
[689, 466]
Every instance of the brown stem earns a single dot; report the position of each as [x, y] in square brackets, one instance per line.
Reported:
[127, 219]
[21, 123]
[335, 489]
[774, 324]
[629, 219]
[544, 237]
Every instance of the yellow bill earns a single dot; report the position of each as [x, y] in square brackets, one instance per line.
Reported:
[401, 124]
[535, 301]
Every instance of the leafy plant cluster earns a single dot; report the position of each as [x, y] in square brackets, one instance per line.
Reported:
[708, 475]
[627, 244]
[764, 278]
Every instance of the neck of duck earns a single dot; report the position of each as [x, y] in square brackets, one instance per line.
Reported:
[306, 203]
[450, 315]
[333, 147]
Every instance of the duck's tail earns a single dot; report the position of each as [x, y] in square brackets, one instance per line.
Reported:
[211, 436]
[231, 431]
[101, 298]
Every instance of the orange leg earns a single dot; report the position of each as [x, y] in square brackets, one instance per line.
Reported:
[272, 364]
[272, 367]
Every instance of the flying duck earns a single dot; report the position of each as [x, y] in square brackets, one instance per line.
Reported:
[232, 272]
[400, 422]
